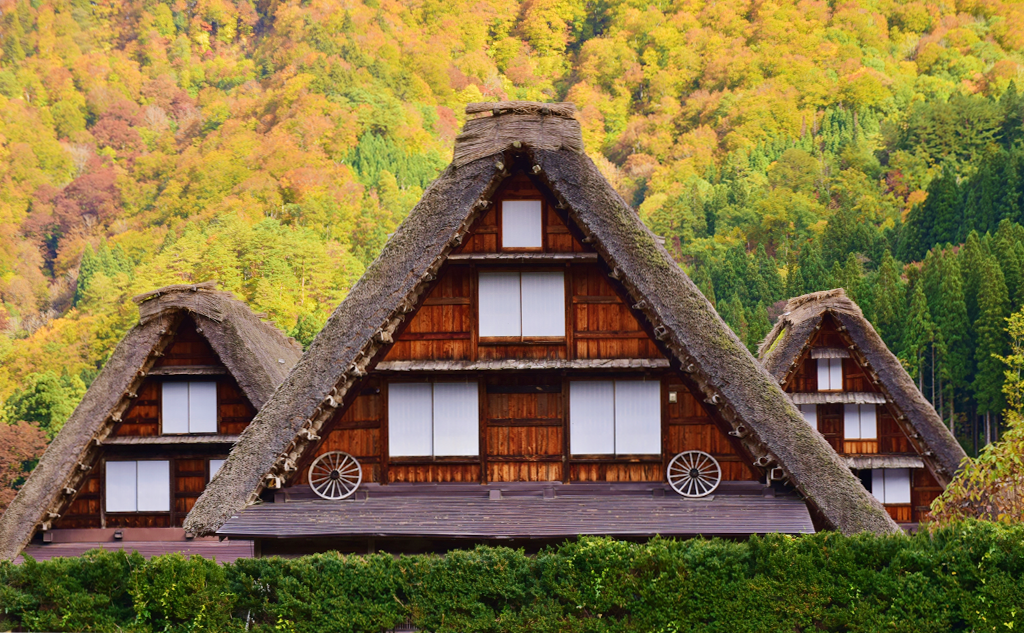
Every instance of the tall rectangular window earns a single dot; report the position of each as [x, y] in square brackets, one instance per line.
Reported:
[615, 417]
[522, 304]
[891, 485]
[143, 486]
[860, 422]
[215, 465]
[830, 374]
[433, 419]
[189, 407]
[521, 224]
[810, 412]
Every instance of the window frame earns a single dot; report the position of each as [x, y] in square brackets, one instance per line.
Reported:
[614, 454]
[188, 407]
[432, 455]
[542, 226]
[490, 339]
[884, 498]
[829, 363]
[860, 422]
[138, 492]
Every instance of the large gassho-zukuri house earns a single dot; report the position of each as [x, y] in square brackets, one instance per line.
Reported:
[525, 362]
[854, 391]
[155, 425]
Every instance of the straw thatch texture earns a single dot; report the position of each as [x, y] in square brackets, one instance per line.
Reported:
[787, 341]
[488, 136]
[256, 353]
[393, 283]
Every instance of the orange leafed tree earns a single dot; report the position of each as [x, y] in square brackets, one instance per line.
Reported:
[21, 444]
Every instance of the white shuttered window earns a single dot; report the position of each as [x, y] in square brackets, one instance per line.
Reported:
[138, 486]
[891, 485]
[860, 422]
[215, 465]
[522, 304]
[637, 417]
[621, 417]
[433, 419]
[830, 374]
[592, 417]
[521, 224]
[810, 412]
[189, 407]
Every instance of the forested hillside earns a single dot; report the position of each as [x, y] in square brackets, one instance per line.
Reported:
[781, 147]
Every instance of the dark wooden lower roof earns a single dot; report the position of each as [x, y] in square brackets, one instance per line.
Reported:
[147, 541]
[506, 512]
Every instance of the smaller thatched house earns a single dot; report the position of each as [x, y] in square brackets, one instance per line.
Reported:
[855, 392]
[524, 363]
[151, 431]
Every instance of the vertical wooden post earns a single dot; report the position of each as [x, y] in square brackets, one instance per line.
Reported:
[384, 453]
[484, 415]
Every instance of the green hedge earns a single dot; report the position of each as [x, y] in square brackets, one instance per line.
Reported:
[967, 578]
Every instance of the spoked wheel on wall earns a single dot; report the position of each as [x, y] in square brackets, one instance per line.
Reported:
[335, 475]
[694, 474]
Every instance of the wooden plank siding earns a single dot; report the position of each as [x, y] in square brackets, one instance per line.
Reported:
[524, 415]
[189, 463]
[892, 438]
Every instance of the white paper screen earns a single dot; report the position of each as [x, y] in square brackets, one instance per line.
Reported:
[592, 417]
[810, 412]
[851, 422]
[543, 304]
[868, 422]
[215, 465]
[174, 407]
[835, 372]
[891, 485]
[521, 224]
[823, 374]
[499, 304]
[897, 485]
[410, 410]
[456, 419]
[202, 407]
[154, 486]
[120, 487]
[637, 417]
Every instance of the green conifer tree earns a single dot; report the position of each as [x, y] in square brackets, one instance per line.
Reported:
[815, 275]
[889, 304]
[918, 334]
[993, 341]
[733, 314]
[759, 325]
[954, 330]
[704, 284]
[770, 287]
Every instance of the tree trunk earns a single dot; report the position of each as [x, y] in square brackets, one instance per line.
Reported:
[974, 431]
[933, 376]
[988, 428]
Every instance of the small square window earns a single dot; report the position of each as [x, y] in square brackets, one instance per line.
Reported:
[215, 465]
[891, 485]
[615, 417]
[189, 407]
[860, 422]
[810, 413]
[522, 304]
[521, 225]
[830, 374]
[433, 419]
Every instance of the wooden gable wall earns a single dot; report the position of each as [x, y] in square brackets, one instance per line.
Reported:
[892, 438]
[189, 462]
[524, 418]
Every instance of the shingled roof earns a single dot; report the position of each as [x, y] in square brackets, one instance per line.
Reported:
[546, 141]
[792, 334]
[255, 352]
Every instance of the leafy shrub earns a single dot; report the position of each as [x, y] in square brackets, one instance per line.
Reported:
[965, 577]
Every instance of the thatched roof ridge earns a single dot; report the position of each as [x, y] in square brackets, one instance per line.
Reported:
[686, 323]
[787, 341]
[255, 352]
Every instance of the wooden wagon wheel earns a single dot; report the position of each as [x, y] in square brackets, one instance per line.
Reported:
[335, 475]
[694, 474]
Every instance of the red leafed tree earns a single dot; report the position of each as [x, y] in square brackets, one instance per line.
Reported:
[21, 444]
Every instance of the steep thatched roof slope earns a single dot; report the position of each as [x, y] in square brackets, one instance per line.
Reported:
[684, 321]
[256, 353]
[791, 335]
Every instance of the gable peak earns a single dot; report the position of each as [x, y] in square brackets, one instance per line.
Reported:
[516, 125]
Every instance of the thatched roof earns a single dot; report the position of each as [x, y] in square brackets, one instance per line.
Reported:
[687, 326]
[255, 352]
[786, 343]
